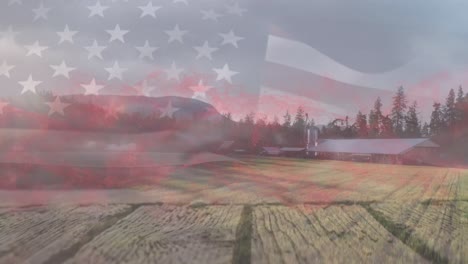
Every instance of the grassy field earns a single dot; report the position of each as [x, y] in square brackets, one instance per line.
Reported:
[258, 210]
[291, 181]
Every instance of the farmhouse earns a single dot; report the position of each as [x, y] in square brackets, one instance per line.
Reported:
[404, 150]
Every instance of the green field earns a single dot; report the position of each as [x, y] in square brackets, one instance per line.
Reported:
[257, 210]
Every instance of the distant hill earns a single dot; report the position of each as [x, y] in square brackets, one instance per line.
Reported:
[109, 122]
[188, 107]
[107, 113]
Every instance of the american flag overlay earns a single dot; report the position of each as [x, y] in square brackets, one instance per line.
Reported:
[199, 49]
[222, 52]
[233, 131]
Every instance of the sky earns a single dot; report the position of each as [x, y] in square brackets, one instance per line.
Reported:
[266, 56]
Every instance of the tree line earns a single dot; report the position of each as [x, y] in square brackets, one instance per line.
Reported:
[448, 123]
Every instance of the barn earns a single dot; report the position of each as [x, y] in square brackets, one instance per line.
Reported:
[270, 151]
[395, 150]
[293, 152]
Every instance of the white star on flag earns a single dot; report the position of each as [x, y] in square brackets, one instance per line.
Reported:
[199, 91]
[205, 51]
[62, 70]
[168, 111]
[231, 38]
[225, 73]
[5, 69]
[116, 71]
[41, 12]
[29, 85]
[144, 88]
[173, 72]
[66, 35]
[92, 87]
[146, 51]
[35, 49]
[176, 34]
[95, 50]
[97, 9]
[117, 34]
[57, 106]
[149, 10]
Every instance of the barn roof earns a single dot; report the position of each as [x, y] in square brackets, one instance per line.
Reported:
[292, 149]
[272, 150]
[392, 146]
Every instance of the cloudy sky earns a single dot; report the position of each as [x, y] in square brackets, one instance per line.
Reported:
[259, 55]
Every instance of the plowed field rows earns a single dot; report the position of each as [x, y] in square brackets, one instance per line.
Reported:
[39, 234]
[265, 210]
[336, 234]
[167, 234]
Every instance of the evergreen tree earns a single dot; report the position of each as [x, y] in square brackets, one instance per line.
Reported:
[378, 115]
[450, 114]
[413, 128]
[275, 122]
[375, 119]
[228, 116]
[287, 120]
[286, 129]
[387, 127]
[297, 134]
[227, 126]
[398, 112]
[361, 125]
[246, 129]
[378, 107]
[250, 118]
[275, 130]
[425, 131]
[334, 128]
[437, 122]
[349, 131]
[299, 119]
[374, 130]
[259, 135]
[324, 132]
[459, 109]
[460, 95]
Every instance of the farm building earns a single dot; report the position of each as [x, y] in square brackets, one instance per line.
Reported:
[270, 151]
[404, 150]
[293, 152]
[230, 146]
[285, 151]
